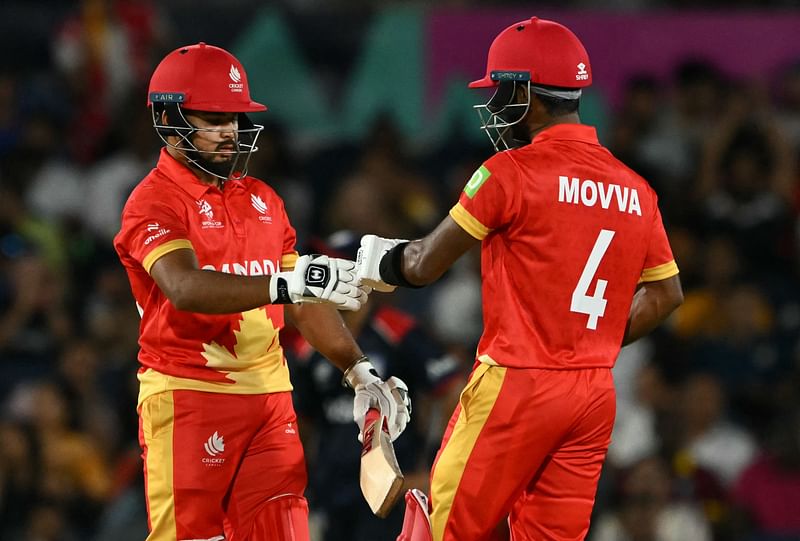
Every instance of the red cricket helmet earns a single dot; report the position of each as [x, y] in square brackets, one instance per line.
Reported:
[540, 51]
[202, 78]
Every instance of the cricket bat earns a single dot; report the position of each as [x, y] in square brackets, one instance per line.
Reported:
[380, 476]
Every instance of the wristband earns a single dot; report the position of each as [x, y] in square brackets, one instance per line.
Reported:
[391, 267]
[362, 359]
[279, 289]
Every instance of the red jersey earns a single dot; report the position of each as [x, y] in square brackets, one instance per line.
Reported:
[568, 231]
[241, 230]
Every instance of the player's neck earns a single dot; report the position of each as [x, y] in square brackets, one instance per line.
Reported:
[536, 127]
[206, 178]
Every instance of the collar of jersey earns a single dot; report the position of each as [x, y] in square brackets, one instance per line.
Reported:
[571, 132]
[185, 178]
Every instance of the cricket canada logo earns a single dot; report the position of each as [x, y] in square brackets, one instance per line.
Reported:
[214, 446]
[261, 207]
[236, 77]
[204, 208]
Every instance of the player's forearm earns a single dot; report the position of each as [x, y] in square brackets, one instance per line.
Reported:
[323, 328]
[211, 292]
[427, 259]
[419, 268]
[652, 304]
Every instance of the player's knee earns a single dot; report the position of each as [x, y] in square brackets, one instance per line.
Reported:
[282, 518]
[416, 522]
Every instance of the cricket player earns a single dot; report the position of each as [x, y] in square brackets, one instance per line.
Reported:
[210, 255]
[575, 264]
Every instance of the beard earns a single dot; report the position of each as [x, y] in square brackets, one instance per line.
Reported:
[223, 168]
[222, 165]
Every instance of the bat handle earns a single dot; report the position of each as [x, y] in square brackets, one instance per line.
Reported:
[372, 416]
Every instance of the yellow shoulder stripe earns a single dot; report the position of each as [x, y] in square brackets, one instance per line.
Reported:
[661, 272]
[164, 249]
[468, 222]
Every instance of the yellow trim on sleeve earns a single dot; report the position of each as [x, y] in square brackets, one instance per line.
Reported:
[288, 260]
[661, 272]
[468, 222]
[163, 250]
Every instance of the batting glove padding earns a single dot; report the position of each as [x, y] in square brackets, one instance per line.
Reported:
[390, 397]
[319, 279]
[372, 250]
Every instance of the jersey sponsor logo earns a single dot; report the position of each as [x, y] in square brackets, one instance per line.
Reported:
[261, 207]
[582, 74]
[589, 193]
[214, 446]
[248, 267]
[156, 232]
[236, 77]
[204, 208]
[476, 181]
[289, 429]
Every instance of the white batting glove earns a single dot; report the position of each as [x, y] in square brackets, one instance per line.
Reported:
[399, 391]
[390, 397]
[372, 250]
[319, 279]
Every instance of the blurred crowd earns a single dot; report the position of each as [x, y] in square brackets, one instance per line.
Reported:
[707, 440]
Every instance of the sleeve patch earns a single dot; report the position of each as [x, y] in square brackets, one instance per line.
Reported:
[476, 181]
[468, 222]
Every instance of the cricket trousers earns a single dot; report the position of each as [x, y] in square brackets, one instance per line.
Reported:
[214, 462]
[527, 444]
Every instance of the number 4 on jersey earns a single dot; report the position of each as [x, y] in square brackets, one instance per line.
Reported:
[594, 306]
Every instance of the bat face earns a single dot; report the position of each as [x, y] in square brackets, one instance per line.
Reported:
[380, 477]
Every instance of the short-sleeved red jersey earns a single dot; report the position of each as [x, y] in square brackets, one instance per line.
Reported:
[242, 229]
[568, 231]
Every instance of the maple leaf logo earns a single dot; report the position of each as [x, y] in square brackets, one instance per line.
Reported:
[254, 351]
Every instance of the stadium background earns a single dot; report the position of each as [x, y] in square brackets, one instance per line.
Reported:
[370, 128]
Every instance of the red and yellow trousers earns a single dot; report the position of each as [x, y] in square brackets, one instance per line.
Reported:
[527, 444]
[213, 461]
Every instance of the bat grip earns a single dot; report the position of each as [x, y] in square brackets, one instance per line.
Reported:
[372, 415]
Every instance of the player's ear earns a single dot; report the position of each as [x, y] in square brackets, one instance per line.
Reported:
[521, 94]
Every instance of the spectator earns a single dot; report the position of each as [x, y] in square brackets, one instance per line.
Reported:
[647, 512]
[710, 441]
[768, 491]
[746, 178]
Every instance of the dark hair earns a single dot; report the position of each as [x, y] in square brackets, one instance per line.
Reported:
[558, 106]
